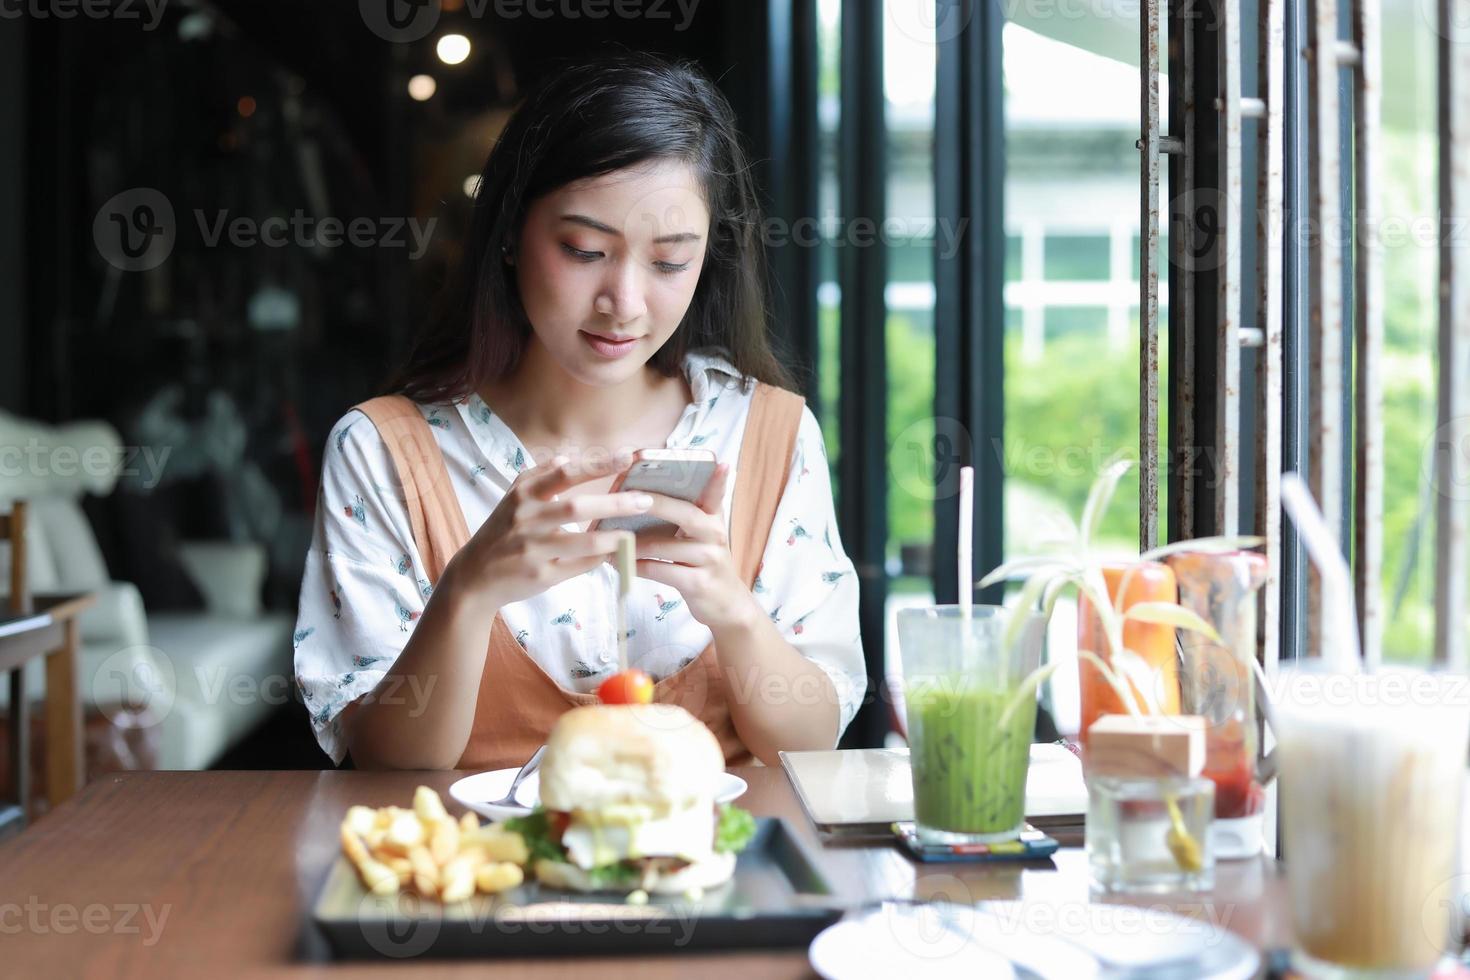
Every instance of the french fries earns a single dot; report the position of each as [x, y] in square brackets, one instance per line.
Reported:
[429, 851]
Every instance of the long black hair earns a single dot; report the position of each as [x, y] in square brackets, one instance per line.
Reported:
[587, 120]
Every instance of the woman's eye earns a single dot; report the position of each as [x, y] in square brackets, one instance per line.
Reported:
[670, 267]
[580, 255]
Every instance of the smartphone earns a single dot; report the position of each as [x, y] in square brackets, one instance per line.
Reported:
[679, 473]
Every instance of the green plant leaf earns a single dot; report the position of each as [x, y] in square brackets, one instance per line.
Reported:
[1171, 614]
[1022, 610]
[1054, 590]
[1023, 566]
[1100, 496]
[1124, 584]
[1095, 590]
[1206, 546]
[1027, 688]
[1140, 674]
[1124, 692]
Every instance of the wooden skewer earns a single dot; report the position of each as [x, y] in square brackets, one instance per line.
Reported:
[627, 571]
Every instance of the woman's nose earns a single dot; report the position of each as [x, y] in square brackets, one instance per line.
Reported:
[622, 294]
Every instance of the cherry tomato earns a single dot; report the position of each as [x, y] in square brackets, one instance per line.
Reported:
[627, 687]
[557, 821]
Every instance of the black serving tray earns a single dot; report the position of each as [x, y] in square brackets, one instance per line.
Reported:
[776, 898]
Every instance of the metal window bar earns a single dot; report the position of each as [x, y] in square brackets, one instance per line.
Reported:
[1328, 377]
[1325, 384]
[862, 495]
[1270, 270]
[1227, 254]
[1148, 279]
[1218, 266]
[1453, 432]
[1205, 262]
[1183, 307]
[1368, 334]
[969, 281]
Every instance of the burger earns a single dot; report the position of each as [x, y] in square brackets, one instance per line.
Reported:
[628, 802]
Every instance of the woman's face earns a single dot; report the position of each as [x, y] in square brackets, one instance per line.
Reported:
[607, 267]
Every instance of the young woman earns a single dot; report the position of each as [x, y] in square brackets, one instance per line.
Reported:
[611, 297]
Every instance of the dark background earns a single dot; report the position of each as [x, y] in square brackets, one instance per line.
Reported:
[269, 107]
[101, 106]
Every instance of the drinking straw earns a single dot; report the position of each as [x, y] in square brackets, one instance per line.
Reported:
[966, 538]
[964, 549]
[1337, 583]
[627, 571]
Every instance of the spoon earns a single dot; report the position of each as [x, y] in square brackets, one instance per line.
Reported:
[532, 764]
[1180, 841]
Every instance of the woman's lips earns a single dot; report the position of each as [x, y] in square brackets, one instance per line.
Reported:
[608, 347]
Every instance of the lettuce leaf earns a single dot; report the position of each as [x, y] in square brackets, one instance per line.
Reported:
[735, 829]
[535, 830]
[619, 875]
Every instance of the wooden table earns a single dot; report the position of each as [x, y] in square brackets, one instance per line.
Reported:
[187, 873]
[50, 630]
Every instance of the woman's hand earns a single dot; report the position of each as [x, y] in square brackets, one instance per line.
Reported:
[522, 550]
[697, 559]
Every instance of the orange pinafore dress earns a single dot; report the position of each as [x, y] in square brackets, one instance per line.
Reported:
[518, 701]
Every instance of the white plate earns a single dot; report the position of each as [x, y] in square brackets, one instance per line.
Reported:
[859, 948]
[1067, 943]
[474, 792]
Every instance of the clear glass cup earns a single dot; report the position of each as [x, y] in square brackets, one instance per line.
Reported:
[1134, 825]
[970, 720]
[1372, 770]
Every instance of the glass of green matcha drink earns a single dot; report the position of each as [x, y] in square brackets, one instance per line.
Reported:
[970, 718]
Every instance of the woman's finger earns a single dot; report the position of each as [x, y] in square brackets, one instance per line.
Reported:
[572, 567]
[560, 474]
[691, 520]
[680, 577]
[712, 500]
[580, 544]
[552, 514]
[681, 550]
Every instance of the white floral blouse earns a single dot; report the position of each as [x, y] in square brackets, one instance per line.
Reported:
[365, 583]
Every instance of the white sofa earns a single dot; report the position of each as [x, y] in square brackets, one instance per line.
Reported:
[204, 679]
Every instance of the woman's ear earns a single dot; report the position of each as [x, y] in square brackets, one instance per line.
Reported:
[507, 253]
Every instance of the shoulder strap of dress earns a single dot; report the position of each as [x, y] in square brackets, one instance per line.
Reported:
[760, 478]
[434, 512]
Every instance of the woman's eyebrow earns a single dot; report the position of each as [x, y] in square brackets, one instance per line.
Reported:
[582, 219]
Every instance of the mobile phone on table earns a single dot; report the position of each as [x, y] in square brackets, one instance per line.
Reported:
[679, 473]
